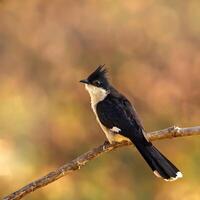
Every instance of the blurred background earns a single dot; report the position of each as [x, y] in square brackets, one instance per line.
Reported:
[152, 51]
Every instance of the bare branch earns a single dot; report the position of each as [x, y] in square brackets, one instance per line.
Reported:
[94, 153]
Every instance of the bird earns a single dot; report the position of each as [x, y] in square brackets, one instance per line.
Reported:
[120, 122]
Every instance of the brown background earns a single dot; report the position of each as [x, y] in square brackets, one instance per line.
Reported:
[152, 51]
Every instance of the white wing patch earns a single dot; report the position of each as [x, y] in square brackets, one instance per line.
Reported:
[115, 129]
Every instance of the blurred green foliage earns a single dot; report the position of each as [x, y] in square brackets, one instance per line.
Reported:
[152, 50]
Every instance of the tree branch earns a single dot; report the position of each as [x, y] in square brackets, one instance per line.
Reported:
[94, 153]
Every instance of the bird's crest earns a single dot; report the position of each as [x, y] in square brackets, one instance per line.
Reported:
[100, 72]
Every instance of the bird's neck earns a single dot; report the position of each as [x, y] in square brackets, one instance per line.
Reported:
[96, 94]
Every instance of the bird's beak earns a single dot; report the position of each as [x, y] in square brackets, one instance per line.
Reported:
[85, 81]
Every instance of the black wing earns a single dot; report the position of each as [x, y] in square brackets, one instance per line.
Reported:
[131, 112]
[116, 111]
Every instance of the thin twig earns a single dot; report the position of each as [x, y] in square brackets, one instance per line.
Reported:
[94, 153]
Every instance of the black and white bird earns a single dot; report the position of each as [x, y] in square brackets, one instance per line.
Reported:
[119, 121]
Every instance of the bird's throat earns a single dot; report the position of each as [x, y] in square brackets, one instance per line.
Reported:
[96, 94]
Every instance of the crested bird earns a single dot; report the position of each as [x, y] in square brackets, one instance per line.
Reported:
[120, 122]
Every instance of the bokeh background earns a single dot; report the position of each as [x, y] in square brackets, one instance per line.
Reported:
[152, 51]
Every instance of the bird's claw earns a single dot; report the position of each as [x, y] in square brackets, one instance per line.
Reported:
[106, 143]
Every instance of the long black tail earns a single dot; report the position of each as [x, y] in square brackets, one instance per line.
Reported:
[160, 165]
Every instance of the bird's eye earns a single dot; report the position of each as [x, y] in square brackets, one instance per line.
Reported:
[96, 83]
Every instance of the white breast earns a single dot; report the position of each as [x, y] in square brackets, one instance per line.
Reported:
[97, 95]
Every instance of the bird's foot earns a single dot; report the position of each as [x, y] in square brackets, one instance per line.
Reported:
[106, 143]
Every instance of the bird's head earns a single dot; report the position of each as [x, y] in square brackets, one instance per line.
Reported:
[97, 83]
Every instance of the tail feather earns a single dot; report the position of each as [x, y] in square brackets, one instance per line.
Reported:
[160, 165]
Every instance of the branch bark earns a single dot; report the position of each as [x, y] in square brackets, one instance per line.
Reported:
[80, 161]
